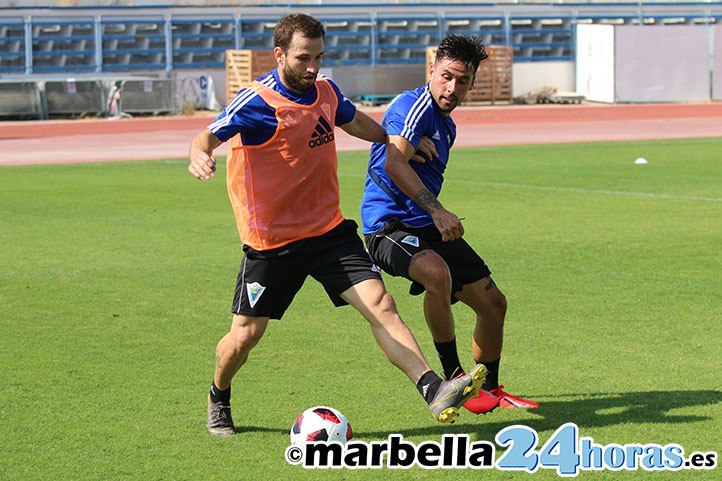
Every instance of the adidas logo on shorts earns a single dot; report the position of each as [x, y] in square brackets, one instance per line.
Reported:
[323, 134]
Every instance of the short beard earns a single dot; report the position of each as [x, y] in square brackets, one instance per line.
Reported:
[295, 81]
[447, 110]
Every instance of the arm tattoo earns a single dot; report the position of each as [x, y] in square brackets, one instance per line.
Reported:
[427, 201]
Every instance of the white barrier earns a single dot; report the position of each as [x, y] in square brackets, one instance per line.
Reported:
[624, 63]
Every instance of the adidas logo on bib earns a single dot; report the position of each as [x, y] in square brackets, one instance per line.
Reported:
[323, 134]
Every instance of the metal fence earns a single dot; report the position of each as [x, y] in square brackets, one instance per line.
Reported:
[41, 98]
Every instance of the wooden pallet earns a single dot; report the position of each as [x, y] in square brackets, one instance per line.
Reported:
[493, 77]
[245, 66]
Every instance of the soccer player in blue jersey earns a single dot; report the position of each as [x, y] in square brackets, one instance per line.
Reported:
[283, 186]
[410, 233]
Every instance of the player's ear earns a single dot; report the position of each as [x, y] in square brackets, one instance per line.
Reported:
[430, 73]
[279, 55]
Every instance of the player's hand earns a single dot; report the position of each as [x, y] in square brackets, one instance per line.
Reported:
[425, 150]
[448, 224]
[202, 166]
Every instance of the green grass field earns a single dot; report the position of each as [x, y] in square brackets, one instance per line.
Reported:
[116, 281]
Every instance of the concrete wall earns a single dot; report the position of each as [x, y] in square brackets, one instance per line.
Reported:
[393, 79]
[382, 80]
[654, 63]
[530, 76]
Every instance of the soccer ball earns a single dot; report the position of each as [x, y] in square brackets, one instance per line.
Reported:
[321, 423]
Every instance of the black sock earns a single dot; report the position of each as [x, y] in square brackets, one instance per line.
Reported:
[449, 358]
[492, 375]
[428, 385]
[218, 396]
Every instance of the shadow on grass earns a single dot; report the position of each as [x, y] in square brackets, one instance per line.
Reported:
[259, 429]
[588, 410]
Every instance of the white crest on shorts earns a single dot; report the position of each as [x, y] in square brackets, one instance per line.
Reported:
[411, 240]
[436, 136]
[255, 291]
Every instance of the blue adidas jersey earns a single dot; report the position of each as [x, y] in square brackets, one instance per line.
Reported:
[412, 115]
[248, 114]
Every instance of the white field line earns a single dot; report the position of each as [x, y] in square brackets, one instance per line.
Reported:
[571, 189]
[589, 191]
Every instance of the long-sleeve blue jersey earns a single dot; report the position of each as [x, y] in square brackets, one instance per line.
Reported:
[412, 115]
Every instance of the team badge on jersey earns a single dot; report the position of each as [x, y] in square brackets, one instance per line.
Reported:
[326, 109]
[255, 291]
[411, 240]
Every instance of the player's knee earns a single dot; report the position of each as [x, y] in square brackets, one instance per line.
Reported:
[244, 337]
[492, 308]
[501, 304]
[386, 304]
[436, 277]
[243, 341]
[383, 312]
[494, 298]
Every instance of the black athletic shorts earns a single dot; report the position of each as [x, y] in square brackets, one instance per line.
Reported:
[395, 244]
[269, 280]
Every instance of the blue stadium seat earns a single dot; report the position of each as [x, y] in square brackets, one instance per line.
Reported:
[139, 39]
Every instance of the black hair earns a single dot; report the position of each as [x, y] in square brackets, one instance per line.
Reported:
[464, 48]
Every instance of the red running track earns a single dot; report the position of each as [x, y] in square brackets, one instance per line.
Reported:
[98, 140]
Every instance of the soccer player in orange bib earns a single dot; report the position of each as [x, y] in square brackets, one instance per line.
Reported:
[283, 185]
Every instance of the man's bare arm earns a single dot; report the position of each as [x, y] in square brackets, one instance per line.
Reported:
[202, 164]
[366, 128]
